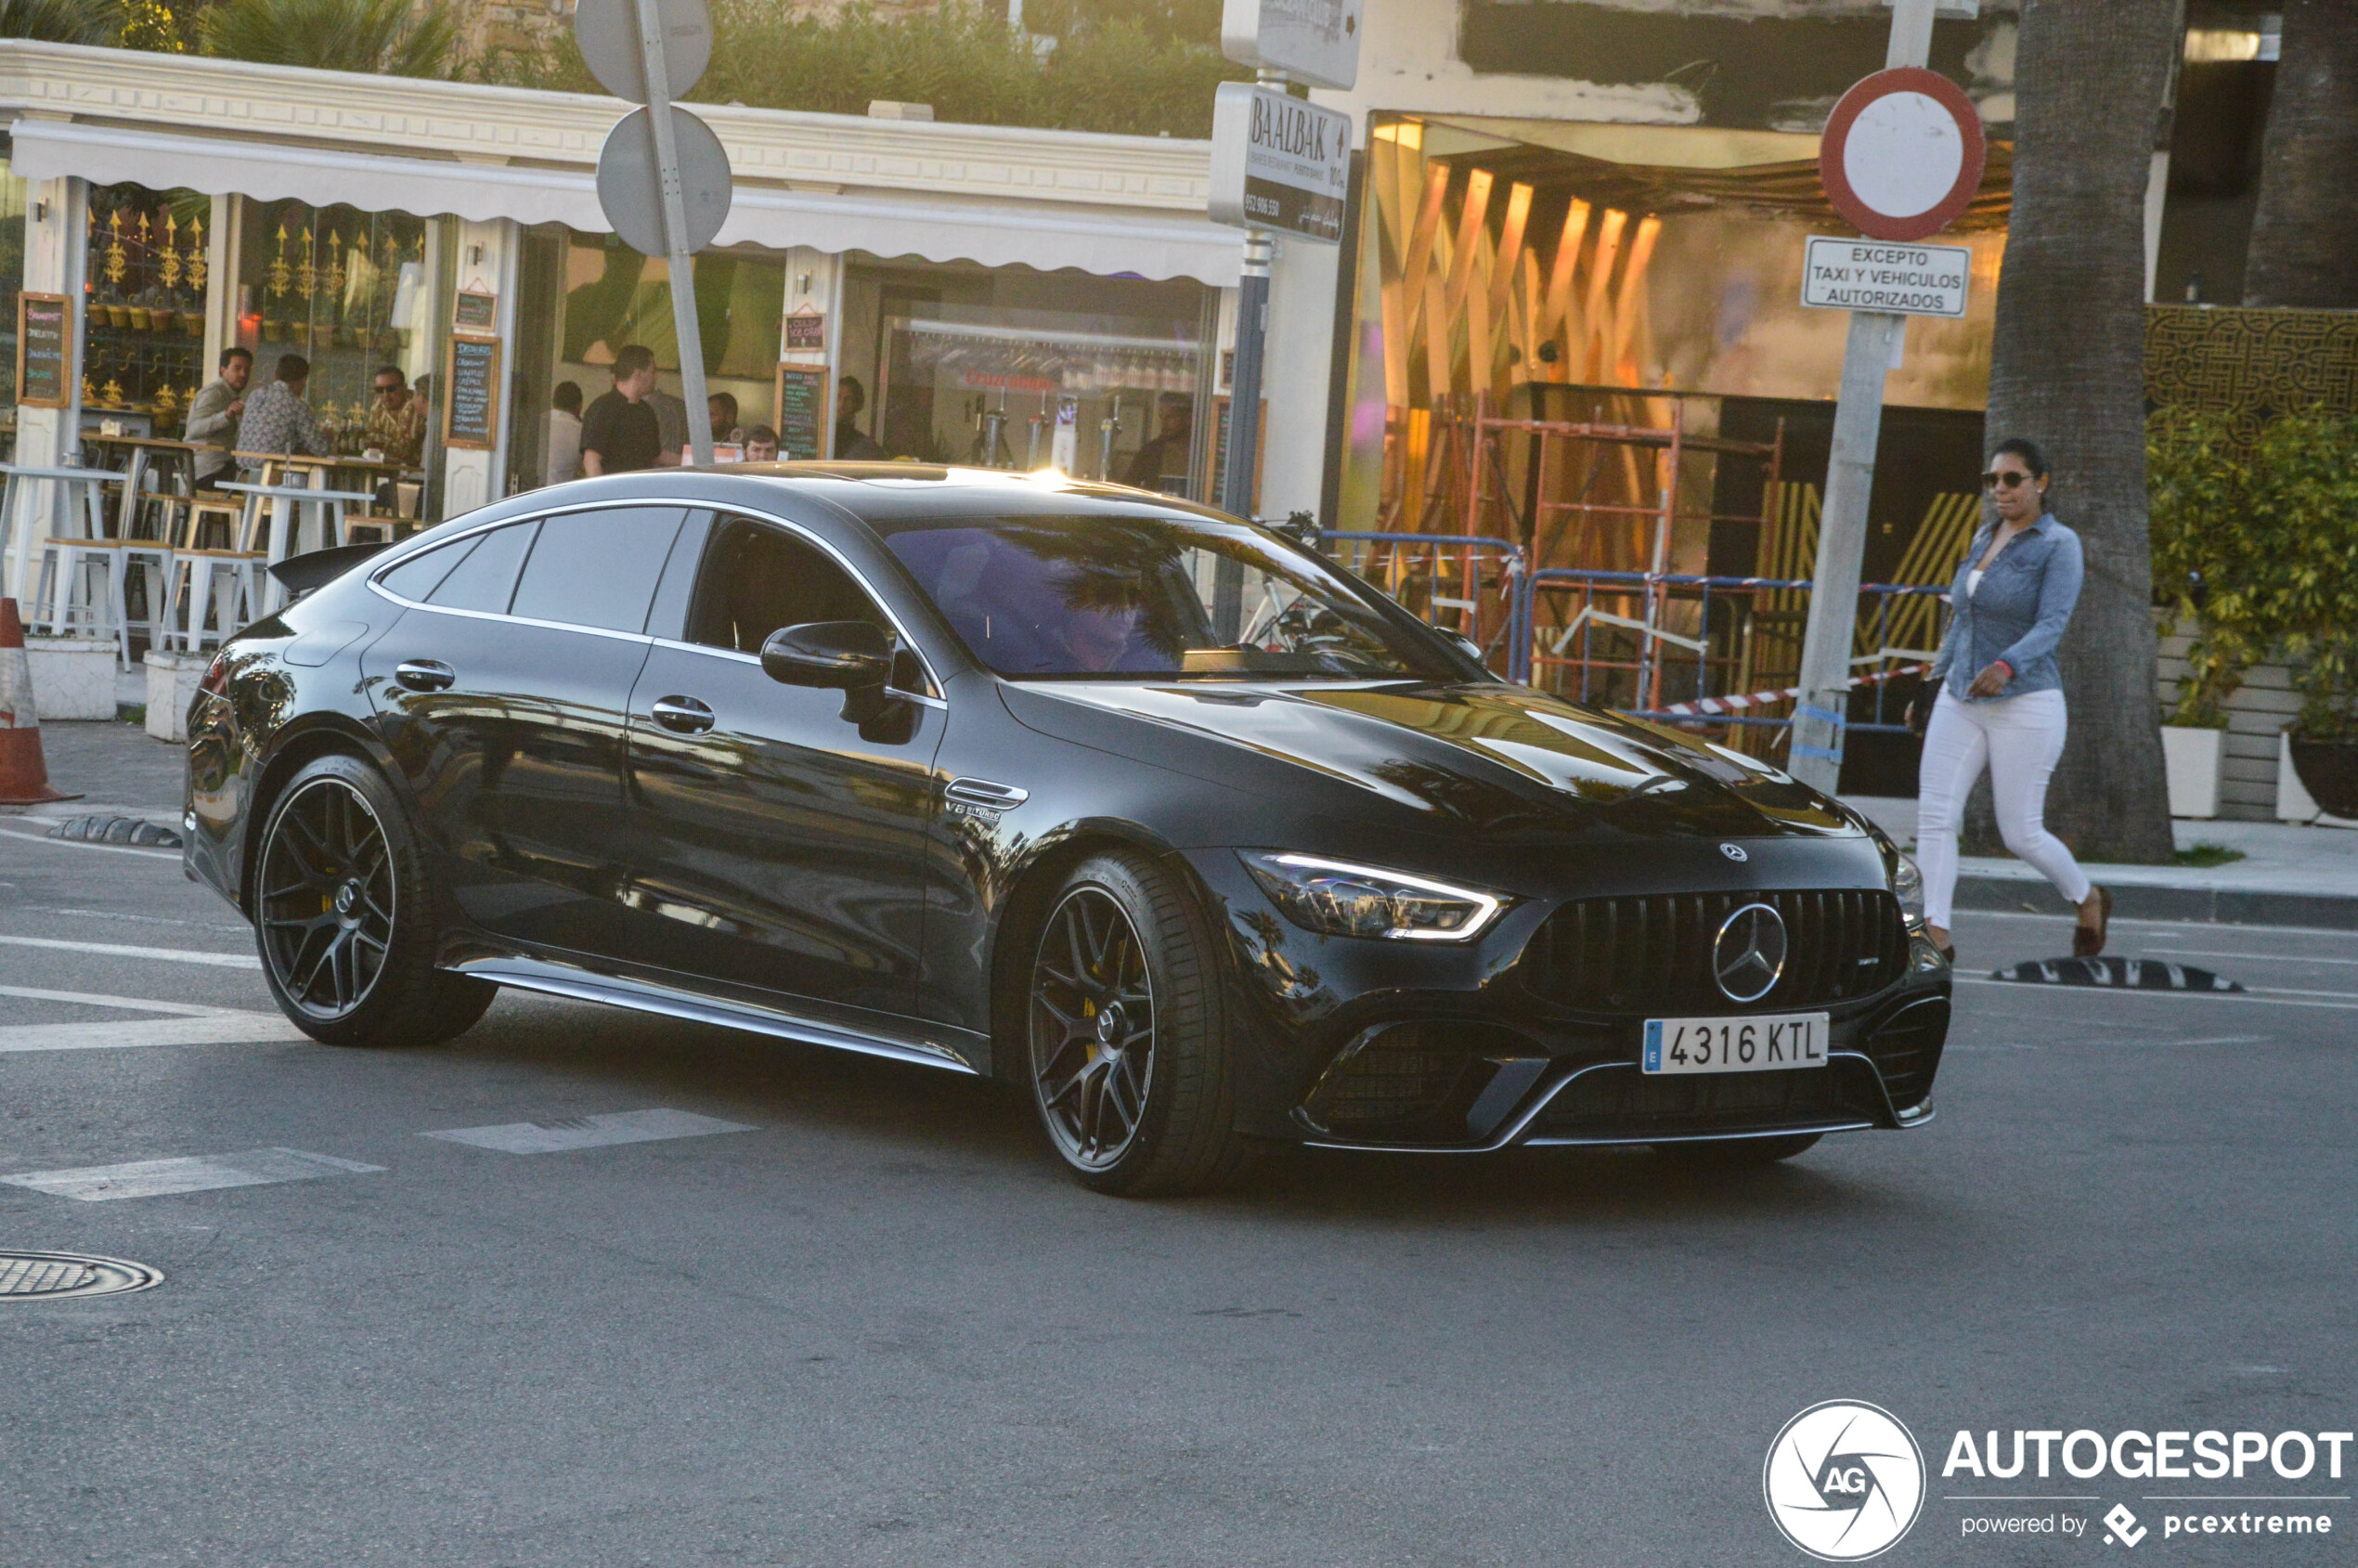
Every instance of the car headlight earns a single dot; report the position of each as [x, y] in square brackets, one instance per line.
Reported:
[1907, 883]
[1337, 899]
[1901, 874]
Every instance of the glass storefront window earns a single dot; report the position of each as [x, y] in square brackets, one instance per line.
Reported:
[11, 283]
[1008, 367]
[344, 288]
[144, 307]
[615, 296]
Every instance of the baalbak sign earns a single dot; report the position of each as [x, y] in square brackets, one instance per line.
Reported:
[1279, 162]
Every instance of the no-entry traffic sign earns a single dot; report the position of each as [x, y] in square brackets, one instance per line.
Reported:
[1902, 154]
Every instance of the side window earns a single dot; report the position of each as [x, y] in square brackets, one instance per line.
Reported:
[488, 575]
[419, 576]
[598, 568]
[756, 580]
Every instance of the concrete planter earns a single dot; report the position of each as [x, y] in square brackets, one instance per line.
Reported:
[2195, 758]
[2294, 803]
[72, 677]
[172, 686]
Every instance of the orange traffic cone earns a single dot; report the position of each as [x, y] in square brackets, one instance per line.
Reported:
[24, 777]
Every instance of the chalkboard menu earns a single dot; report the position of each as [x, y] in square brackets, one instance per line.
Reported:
[802, 411]
[471, 393]
[476, 310]
[44, 350]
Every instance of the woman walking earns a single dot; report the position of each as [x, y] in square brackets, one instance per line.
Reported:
[2001, 701]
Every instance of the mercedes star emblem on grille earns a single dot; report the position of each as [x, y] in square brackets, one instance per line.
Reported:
[1734, 851]
[1750, 952]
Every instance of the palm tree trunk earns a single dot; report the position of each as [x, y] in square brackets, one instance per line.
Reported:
[2067, 370]
[2305, 229]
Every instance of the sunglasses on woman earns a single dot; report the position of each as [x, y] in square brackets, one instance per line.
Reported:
[2010, 478]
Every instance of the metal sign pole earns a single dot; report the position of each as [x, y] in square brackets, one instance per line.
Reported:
[675, 233]
[1244, 390]
[1819, 716]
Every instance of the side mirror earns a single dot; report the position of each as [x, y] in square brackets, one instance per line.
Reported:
[844, 656]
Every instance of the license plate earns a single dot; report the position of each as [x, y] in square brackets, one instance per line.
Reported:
[1761, 1043]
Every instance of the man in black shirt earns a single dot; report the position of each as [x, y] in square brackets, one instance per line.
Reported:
[618, 432]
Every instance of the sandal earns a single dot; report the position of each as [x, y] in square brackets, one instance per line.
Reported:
[2089, 940]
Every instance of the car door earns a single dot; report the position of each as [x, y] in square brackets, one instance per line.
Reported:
[501, 693]
[778, 845]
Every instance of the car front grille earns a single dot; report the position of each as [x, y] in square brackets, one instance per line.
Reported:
[1399, 1075]
[1653, 954]
[1621, 1102]
[1906, 1049]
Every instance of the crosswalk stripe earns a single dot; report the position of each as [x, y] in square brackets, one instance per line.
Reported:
[117, 950]
[215, 1029]
[159, 1178]
[588, 1132]
[184, 1023]
[78, 844]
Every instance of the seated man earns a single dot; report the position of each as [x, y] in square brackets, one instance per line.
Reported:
[761, 444]
[278, 420]
[396, 421]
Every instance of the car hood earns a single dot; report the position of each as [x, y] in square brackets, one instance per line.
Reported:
[1493, 759]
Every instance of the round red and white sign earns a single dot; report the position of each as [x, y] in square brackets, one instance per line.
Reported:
[1902, 154]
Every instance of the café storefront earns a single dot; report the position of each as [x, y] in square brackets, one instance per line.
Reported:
[1004, 296]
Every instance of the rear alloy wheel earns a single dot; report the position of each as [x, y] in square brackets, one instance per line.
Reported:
[1127, 1048]
[345, 916]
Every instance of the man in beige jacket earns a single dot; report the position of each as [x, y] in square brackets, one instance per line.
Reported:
[215, 415]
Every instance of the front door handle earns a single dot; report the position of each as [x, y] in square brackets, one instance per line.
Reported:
[424, 675]
[682, 716]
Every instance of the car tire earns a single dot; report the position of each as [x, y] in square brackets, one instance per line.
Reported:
[1134, 1108]
[359, 969]
[1737, 1154]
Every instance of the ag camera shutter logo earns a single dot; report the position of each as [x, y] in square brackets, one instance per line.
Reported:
[1844, 1481]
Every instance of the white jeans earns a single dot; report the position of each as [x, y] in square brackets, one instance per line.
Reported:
[2019, 739]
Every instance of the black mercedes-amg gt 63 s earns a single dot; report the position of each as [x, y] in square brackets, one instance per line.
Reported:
[1198, 841]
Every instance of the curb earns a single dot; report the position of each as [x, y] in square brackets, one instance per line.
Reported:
[2225, 906]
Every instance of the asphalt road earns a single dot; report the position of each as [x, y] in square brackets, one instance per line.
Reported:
[878, 1327]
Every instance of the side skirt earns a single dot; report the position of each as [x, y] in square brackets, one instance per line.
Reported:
[561, 979]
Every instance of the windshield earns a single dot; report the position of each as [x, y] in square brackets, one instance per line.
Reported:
[1173, 598]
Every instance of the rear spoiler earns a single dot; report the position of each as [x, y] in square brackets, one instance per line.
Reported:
[315, 569]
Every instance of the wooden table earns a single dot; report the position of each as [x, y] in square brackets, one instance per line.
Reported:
[286, 519]
[66, 479]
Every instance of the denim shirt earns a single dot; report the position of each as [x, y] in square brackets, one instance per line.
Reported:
[2026, 600]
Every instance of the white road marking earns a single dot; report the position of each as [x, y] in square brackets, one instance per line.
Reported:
[184, 1024]
[157, 1178]
[588, 1132]
[2253, 998]
[223, 1029]
[118, 950]
[95, 999]
[2262, 957]
[77, 844]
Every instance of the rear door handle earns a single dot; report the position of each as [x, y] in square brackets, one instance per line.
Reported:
[424, 675]
[682, 716]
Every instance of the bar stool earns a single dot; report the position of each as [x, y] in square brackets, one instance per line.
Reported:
[199, 568]
[71, 602]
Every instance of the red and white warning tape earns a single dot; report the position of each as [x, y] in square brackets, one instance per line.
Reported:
[1762, 699]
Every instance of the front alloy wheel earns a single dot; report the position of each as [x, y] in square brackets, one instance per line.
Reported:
[1092, 1030]
[1124, 1033]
